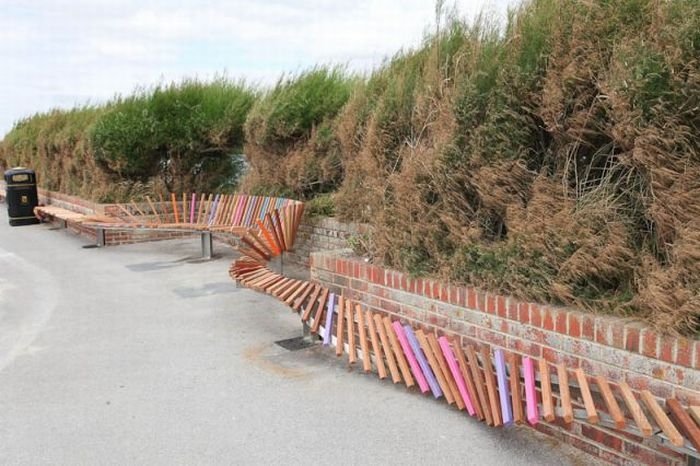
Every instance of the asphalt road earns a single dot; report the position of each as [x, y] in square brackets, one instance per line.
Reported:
[143, 354]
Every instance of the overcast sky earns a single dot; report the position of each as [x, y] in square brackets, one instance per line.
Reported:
[62, 53]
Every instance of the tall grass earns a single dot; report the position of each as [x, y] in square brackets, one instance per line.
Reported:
[290, 135]
[555, 158]
[182, 136]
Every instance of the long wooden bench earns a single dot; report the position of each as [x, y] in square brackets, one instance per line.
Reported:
[493, 385]
[245, 216]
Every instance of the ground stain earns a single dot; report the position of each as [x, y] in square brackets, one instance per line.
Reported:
[255, 355]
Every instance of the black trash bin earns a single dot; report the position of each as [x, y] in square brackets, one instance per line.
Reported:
[21, 196]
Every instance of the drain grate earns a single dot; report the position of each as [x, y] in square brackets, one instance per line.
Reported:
[90, 246]
[295, 344]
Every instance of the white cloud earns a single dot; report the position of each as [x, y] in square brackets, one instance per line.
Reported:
[66, 52]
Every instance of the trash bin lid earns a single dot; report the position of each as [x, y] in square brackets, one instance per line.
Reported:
[20, 175]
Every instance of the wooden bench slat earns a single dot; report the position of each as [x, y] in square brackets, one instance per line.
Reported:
[435, 366]
[340, 327]
[635, 410]
[350, 328]
[546, 388]
[364, 343]
[479, 385]
[376, 346]
[515, 390]
[611, 402]
[565, 394]
[388, 350]
[440, 359]
[661, 419]
[686, 425]
[494, 403]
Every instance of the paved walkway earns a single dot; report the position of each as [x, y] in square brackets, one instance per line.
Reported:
[141, 354]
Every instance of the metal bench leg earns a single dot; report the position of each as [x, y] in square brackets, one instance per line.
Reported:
[207, 246]
[100, 239]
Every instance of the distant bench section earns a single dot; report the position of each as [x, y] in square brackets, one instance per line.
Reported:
[266, 226]
[64, 216]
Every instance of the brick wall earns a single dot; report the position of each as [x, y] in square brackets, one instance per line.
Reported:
[619, 349]
[321, 234]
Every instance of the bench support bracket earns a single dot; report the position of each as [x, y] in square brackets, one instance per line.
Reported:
[100, 237]
[207, 245]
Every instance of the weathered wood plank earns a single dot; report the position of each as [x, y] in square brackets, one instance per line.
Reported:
[635, 410]
[591, 412]
[611, 402]
[546, 389]
[661, 419]
[686, 425]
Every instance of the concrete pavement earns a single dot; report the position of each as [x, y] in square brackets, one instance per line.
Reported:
[142, 354]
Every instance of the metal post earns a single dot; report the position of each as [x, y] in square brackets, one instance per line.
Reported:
[100, 237]
[306, 332]
[207, 246]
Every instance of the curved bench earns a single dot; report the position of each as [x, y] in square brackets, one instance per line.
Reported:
[266, 225]
[488, 384]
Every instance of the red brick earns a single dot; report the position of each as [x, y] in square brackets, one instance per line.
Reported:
[481, 301]
[454, 295]
[614, 459]
[411, 285]
[548, 319]
[437, 320]
[601, 330]
[601, 437]
[461, 328]
[437, 287]
[666, 344]
[649, 346]
[585, 446]
[523, 313]
[587, 327]
[378, 276]
[555, 357]
[490, 303]
[429, 288]
[632, 339]
[684, 352]
[560, 322]
[696, 365]
[471, 297]
[512, 309]
[491, 337]
[417, 286]
[504, 327]
[536, 314]
[618, 335]
[559, 422]
[647, 456]
[445, 294]
[574, 325]
[528, 348]
[501, 309]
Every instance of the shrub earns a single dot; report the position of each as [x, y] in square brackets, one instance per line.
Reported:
[290, 134]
